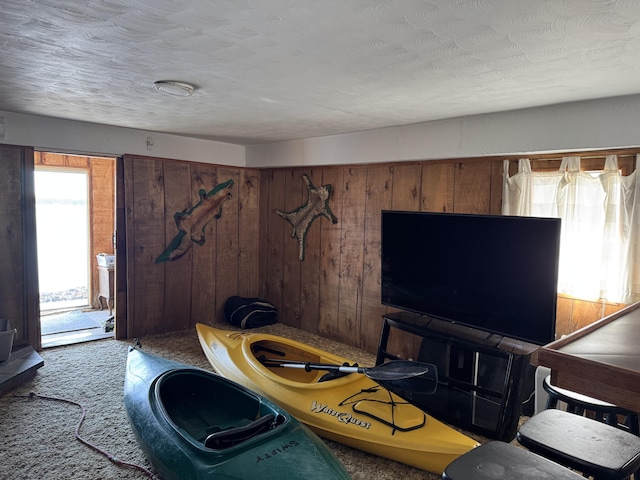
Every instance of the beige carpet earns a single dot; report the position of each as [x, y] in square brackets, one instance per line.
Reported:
[38, 435]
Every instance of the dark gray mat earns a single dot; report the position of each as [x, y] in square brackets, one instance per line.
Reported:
[70, 321]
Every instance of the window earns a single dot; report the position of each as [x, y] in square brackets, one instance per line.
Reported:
[598, 224]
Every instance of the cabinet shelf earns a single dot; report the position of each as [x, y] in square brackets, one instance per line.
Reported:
[480, 385]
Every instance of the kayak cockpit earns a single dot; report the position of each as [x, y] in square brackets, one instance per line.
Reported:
[265, 350]
[210, 414]
[233, 436]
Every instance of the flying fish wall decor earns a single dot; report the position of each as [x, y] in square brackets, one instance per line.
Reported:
[301, 218]
[192, 222]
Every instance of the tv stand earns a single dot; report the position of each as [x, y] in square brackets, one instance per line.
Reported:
[480, 375]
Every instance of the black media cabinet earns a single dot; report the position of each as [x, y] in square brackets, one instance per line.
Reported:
[481, 376]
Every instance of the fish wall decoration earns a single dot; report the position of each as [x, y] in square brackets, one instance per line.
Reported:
[192, 222]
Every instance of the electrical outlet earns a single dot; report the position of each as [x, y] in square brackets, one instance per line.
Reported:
[149, 143]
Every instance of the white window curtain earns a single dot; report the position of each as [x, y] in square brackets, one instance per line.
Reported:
[599, 247]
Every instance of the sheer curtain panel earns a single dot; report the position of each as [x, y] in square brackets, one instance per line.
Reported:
[599, 240]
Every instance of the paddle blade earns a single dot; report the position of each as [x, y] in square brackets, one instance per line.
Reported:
[405, 375]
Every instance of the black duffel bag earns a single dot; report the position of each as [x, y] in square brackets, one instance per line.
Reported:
[246, 312]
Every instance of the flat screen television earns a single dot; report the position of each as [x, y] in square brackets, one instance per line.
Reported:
[491, 272]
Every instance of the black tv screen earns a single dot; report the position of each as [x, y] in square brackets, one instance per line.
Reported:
[490, 272]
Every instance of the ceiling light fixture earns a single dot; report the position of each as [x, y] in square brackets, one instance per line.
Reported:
[177, 89]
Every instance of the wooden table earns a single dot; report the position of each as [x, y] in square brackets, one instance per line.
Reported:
[601, 360]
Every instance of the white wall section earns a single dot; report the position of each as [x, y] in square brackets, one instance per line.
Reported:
[596, 124]
[68, 136]
[589, 125]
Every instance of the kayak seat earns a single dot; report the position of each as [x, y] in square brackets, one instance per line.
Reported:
[332, 376]
[233, 436]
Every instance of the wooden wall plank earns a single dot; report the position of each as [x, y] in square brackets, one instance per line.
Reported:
[564, 313]
[228, 247]
[31, 319]
[276, 238]
[129, 251]
[50, 159]
[295, 196]
[75, 161]
[587, 312]
[495, 189]
[595, 161]
[101, 216]
[178, 273]
[330, 236]
[611, 308]
[204, 280]
[407, 195]
[47, 159]
[12, 275]
[626, 164]
[248, 232]
[352, 252]
[120, 275]
[31, 297]
[15, 246]
[378, 198]
[472, 187]
[438, 184]
[264, 235]
[407, 187]
[310, 267]
[148, 240]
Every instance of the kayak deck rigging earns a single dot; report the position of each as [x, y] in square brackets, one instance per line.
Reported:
[355, 403]
[365, 402]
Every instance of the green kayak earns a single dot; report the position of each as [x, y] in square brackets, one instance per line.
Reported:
[193, 424]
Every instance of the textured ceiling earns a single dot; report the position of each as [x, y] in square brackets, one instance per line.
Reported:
[269, 70]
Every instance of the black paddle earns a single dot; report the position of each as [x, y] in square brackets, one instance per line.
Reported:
[398, 374]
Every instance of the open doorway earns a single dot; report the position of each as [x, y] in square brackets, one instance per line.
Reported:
[62, 214]
[74, 223]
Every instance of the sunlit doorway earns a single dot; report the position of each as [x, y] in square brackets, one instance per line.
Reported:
[75, 211]
[62, 216]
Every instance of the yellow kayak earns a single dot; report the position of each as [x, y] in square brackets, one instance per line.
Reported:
[352, 410]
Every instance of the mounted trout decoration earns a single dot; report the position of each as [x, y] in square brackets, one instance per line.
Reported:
[301, 218]
[191, 222]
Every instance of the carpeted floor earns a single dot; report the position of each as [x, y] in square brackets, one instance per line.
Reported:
[37, 434]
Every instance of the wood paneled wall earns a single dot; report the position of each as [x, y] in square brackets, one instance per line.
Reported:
[335, 291]
[249, 250]
[18, 266]
[175, 295]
